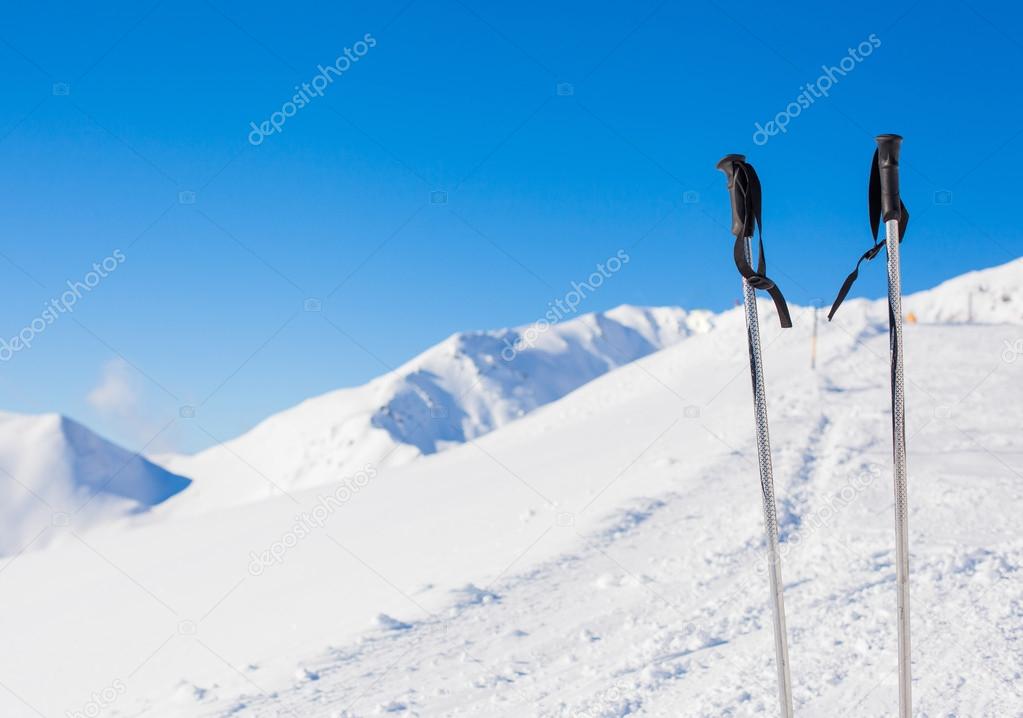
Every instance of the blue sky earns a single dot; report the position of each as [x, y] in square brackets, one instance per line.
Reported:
[127, 128]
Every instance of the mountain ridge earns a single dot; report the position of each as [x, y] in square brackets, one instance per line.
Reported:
[461, 388]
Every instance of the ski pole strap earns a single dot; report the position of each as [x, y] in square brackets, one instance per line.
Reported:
[847, 284]
[744, 189]
[883, 200]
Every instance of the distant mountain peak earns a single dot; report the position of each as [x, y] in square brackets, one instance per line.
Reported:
[54, 470]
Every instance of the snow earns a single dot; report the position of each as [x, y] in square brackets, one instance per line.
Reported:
[60, 474]
[600, 555]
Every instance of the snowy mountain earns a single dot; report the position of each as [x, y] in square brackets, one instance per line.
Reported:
[459, 390]
[475, 382]
[601, 556]
[55, 472]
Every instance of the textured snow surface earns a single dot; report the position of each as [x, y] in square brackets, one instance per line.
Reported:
[599, 557]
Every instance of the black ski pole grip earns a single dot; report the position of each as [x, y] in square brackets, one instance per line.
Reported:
[727, 165]
[888, 168]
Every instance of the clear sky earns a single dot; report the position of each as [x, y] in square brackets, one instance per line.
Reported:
[459, 171]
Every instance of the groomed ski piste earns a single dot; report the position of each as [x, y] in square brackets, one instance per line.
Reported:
[600, 556]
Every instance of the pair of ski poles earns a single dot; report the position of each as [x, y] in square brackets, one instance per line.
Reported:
[884, 202]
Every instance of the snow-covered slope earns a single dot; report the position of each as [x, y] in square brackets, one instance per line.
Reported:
[55, 472]
[989, 296]
[458, 390]
[600, 557]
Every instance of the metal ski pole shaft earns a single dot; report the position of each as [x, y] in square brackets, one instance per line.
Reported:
[744, 187]
[891, 212]
[767, 492]
[885, 203]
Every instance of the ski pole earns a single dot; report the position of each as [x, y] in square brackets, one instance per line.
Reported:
[744, 189]
[885, 203]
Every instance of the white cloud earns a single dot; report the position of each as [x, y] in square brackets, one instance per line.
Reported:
[117, 392]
